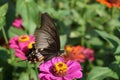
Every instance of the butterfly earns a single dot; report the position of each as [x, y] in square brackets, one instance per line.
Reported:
[47, 41]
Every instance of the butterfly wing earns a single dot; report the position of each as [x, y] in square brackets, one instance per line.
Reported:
[47, 37]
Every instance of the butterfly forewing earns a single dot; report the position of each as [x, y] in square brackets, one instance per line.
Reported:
[47, 37]
[47, 42]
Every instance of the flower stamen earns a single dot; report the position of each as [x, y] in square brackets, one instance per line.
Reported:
[60, 69]
[30, 45]
[68, 48]
[24, 38]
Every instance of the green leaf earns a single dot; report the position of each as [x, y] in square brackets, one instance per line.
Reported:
[95, 41]
[74, 34]
[115, 66]
[117, 57]
[63, 39]
[33, 73]
[4, 54]
[19, 63]
[111, 39]
[3, 11]
[99, 73]
[1, 75]
[24, 76]
[28, 9]
[15, 32]
[117, 51]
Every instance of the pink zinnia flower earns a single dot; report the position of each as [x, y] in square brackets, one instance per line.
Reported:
[17, 23]
[89, 54]
[21, 44]
[57, 69]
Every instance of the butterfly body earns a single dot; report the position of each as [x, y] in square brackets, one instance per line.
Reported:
[35, 55]
[47, 42]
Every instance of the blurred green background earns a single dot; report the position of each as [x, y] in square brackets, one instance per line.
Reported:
[80, 22]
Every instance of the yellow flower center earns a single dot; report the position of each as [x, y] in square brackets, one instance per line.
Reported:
[30, 45]
[68, 48]
[60, 69]
[24, 38]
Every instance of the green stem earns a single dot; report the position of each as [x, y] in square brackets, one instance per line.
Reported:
[28, 67]
[83, 34]
[4, 34]
[72, 3]
[36, 70]
[82, 41]
[112, 11]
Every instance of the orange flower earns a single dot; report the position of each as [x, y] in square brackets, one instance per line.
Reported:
[110, 3]
[78, 53]
[118, 4]
[74, 53]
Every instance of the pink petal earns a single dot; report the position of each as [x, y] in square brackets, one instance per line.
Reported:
[14, 39]
[45, 67]
[23, 46]
[67, 78]
[20, 54]
[72, 63]
[89, 53]
[13, 42]
[17, 23]
[74, 70]
[43, 76]
[57, 59]
[14, 46]
[74, 75]
[32, 38]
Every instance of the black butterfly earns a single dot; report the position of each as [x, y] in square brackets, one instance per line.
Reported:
[47, 42]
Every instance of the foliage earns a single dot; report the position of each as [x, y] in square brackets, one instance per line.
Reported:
[80, 22]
